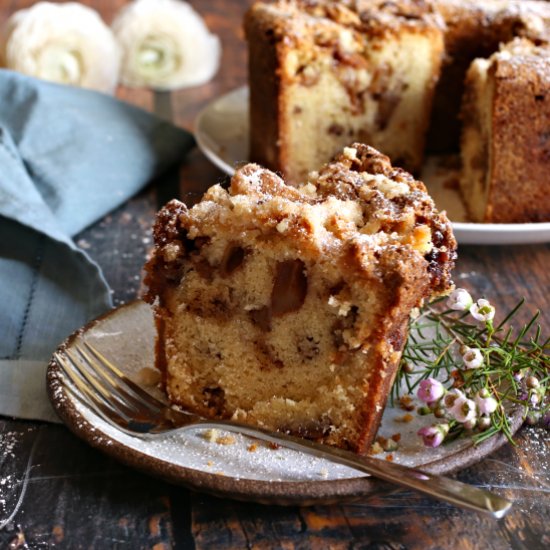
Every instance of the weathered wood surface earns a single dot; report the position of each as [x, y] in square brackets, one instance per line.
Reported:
[73, 497]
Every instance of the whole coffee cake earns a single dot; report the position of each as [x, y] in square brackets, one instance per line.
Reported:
[288, 307]
[323, 73]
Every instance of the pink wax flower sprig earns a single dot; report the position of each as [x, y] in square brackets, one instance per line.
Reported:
[434, 435]
[430, 390]
[472, 371]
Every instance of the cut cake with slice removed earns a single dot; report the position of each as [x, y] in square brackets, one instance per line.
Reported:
[288, 307]
[324, 74]
[506, 135]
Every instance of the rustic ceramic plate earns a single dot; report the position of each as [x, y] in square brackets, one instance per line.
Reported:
[222, 135]
[244, 469]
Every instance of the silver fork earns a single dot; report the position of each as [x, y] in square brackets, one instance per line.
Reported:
[103, 387]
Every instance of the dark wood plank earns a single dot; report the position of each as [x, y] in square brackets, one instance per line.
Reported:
[74, 497]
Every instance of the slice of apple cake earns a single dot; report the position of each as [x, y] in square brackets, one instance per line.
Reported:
[288, 307]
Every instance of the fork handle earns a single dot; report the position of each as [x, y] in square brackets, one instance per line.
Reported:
[442, 488]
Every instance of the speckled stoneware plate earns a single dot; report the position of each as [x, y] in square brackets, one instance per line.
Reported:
[244, 469]
[221, 131]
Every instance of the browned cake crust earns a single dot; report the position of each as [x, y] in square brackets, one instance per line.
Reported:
[475, 29]
[289, 307]
[506, 136]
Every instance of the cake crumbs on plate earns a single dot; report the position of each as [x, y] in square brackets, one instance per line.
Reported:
[226, 440]
[405, 418]
[210, 435]
[213, 435]
[252, 448]
[387, 444]
[376, 448]
[406, 402]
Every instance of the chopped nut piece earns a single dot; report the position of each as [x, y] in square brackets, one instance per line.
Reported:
[226, 440]
[376, 448]
[406, 403]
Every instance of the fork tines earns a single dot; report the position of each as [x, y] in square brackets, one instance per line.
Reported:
[104, 388]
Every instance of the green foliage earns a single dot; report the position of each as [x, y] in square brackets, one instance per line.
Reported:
[513, 361]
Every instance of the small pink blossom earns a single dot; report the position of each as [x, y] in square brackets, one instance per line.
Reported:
[482, 311]
[460, 300]
[463, 410]
[485, 402]
[473, 359]
[433, 436]
[430, 390]
[451, 396]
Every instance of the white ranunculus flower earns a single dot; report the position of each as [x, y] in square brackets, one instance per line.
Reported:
[166, 45]
[64, 43]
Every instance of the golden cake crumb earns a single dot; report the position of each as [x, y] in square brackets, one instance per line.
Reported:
[226, 440]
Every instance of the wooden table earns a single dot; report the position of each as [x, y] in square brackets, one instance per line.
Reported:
[77, 498]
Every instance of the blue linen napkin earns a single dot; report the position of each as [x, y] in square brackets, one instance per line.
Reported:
[67, 157]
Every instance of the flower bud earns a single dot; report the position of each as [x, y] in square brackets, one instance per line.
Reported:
[519, 375]
[532, 418]
[407, 367]
[485, 402]
[460, 300]
[433, 436]
[470, 424]
[430, 390]
[484, 423]
[473, 358]
[534, 398]
[463, 349]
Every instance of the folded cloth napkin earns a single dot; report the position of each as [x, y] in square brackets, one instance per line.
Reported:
[67, 157]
